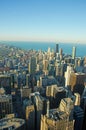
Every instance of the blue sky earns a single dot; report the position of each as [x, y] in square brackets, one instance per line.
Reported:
[43, 20]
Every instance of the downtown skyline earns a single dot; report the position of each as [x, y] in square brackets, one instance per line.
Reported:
[43, 20]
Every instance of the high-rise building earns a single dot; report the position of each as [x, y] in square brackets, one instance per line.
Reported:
[59, 119]
[25, 92]
[41, 107]
[45, 66]
[28, 80]
[30, 117]
[59, 70]
[67, 105]
[84, 121]
[5, 82]
[77, 99]
[32, 65]
[5, 105]
[74, 53]
[48, 51]
[61, 53]
[57, 48]
[78, 116]
[55, 94]
[77, 81]
[68, 75]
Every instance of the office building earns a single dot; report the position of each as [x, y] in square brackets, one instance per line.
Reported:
[67, 105]
[25, 92]
[73, 52]
[68, 75]
[77, 99]
[30, 117]
[32, 65]
[5, 82]
[61, 53]
[55, 94]
[59, 70]
[5, 105]
[77, 81]
[57, 48]
[45, 66]
[84, 121]
[28, 80]
[59, 119]
[78, 117]
[41, 107]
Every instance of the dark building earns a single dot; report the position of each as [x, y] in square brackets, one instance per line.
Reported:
[84, 120]
[57, 48]
[5, 82]
[5, 105]
[30, 117]
[78, 116]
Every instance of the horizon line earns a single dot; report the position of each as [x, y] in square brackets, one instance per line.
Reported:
[45, 41]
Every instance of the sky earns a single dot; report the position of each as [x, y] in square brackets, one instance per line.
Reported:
[43, 20]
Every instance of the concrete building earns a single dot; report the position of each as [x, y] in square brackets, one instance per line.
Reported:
[32, 65]
[59, 119]
[77, 81]
[57, 48]
[25, 92]
[5, 105]
[67, 105]
[28, 80]
[30, 117]
[68, 75]
[73, 52]
[45, 66]
[78, 117]
[77, 99]
[55, 94]
[61, 53]
[59, 70]
[84, 120]
[41, 107]
[5, 82]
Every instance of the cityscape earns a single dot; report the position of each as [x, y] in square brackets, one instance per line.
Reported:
[42, 90]
[42, 64]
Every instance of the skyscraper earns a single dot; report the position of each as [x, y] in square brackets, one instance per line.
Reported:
[32, 65]
[30, 117]
[5, 105]
[57, 48]
[59, 119]
[5, 82]
[73, 52]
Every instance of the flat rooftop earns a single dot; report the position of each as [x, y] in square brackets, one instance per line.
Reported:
[13, 122]
[56, 114]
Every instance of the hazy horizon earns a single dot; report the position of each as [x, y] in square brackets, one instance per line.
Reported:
[34, 41]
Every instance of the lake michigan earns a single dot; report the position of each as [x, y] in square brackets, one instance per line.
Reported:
[67, 47]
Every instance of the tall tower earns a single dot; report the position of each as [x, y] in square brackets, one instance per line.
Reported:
[57, 48]
[73, 52]
[68, 75]
[32, 65]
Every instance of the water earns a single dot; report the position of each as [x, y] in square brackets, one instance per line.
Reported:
[67, 47]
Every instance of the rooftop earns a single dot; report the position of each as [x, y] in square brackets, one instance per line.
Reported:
[56, 114]
[11, 122]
